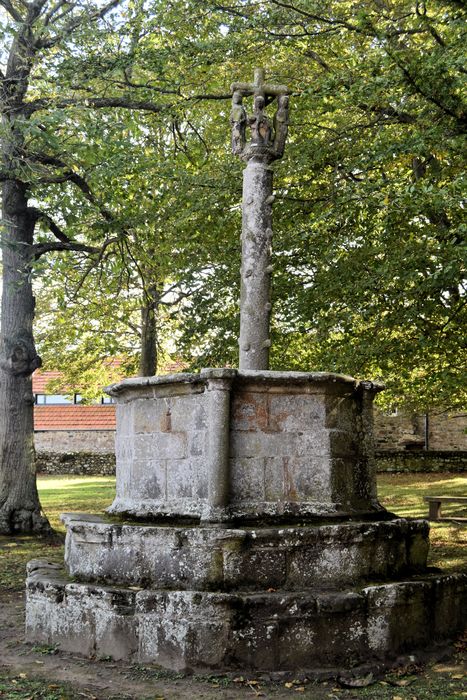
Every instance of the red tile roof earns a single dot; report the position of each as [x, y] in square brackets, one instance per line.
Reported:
[41, 379]
[71, 417]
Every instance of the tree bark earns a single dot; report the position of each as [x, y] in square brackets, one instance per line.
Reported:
[148, 356]
[20, 509]
[255, 302]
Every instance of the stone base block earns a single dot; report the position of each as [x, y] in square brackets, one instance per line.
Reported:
[224, 559]
[250, 444]
[280, 631]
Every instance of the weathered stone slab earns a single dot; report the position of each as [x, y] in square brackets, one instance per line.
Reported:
[209, 558]
[288, 631]
[225, 443]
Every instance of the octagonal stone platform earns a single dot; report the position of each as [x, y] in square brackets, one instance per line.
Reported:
[243, 559]
[245, 534]
[268, 631]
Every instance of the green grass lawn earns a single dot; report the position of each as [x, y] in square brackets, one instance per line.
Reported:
[403, 494]
[84, 494]
[58, 494]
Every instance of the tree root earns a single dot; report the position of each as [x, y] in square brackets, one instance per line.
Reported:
[15, 521]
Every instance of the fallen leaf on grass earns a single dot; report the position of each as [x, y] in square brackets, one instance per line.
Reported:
[362, 682]
[445, 668]
[300, 689]
[397, 697]
[288, 685]
[403, 682]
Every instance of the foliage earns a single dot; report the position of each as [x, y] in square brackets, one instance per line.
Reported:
[369, 239]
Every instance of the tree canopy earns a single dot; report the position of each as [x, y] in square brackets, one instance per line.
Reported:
[369, 245]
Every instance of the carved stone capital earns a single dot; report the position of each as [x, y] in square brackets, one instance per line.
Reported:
[267, 140]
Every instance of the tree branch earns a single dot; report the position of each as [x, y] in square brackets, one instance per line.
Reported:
[94, 103]
[75, 23]
[209, 96]
[127, 83]
[461, 118]
[70, 176]
[6, 4]
[63, 243]
[53, 11]
[318, 18]
[56, 230]
[41, 248]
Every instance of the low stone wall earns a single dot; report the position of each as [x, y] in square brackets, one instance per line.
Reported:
[429, 461]
[407, 431]
[84, 463]
[63, 442]
[395, 461]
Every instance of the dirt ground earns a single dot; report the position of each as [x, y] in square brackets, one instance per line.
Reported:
[102, 680]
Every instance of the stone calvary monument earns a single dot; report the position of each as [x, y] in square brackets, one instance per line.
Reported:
[246, 531]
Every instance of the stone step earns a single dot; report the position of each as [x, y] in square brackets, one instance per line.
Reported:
[275, 631]
[213, 558]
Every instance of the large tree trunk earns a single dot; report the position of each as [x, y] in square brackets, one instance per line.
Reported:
[20, 510]
[148, 357]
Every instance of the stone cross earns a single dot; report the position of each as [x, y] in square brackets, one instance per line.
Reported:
[266, 145]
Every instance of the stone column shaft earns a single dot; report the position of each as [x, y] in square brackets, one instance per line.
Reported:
[255, 306]
[219, 446]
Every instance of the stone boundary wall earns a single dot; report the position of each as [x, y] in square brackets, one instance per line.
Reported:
[81, 463]
[87, 463]
[405, 431]
[429, 461]
[63, 442]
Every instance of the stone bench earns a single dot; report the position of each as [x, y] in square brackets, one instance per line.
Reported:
[434, 505]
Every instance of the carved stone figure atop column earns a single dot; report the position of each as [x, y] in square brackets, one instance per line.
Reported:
[266, 142]
[238, 121]
[281, 125]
